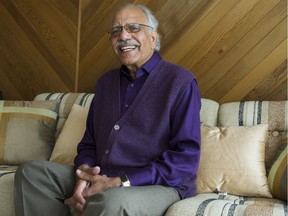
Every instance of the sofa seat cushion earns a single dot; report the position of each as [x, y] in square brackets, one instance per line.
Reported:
[221, 204]
[6, 190]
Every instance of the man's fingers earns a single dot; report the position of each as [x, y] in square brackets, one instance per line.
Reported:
[70, 201]
[82, 175]
[95, 170]
[87, 176]
[79, 208]
[92, 170]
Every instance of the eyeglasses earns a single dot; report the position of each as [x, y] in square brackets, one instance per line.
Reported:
[129, 27]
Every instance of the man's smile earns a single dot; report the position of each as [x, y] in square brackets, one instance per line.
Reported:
[127, 48]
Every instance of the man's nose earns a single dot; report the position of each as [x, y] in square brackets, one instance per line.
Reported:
[124, 34]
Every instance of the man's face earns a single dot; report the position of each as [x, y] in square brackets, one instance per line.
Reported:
[133, 56]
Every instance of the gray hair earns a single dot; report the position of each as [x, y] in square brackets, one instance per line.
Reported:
[153, 22]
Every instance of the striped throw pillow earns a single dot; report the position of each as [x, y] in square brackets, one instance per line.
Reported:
[277, 177]
[27, 130]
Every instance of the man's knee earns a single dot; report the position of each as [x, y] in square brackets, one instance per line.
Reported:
[107, 203]
[134, 201]
[27, 169]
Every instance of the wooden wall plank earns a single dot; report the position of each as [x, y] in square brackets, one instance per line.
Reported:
[175, 18]
[43, 49]
[96, 19]
[280, 93]
[24, 63]
[230, 19]
[243, 47]
[275, 85]
[199, 28]
[51, 45]
[233, 36]
[250, 61]
[257, 74]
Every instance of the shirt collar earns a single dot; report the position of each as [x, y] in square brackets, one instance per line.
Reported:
[146, 68]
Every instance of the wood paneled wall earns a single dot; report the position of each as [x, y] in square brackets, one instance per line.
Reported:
[237, 49]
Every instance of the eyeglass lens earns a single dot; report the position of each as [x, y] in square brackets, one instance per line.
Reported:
[129, 27]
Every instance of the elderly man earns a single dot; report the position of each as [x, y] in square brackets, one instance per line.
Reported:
[141, 148]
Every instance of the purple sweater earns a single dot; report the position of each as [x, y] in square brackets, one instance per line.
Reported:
[156, 140]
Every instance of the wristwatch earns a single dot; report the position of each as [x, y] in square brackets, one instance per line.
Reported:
[125, 181]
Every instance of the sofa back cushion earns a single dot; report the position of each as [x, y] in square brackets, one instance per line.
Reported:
[27, 130]
[209, 112]
[273, 113]
[277, 177]
[65, 148]
[66, 103]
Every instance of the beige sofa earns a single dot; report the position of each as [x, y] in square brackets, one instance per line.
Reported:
[243, 168]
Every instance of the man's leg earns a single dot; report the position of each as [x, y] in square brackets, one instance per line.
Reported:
[41, 188]
[124, 201]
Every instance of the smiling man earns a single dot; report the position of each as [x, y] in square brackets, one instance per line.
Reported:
[141, 148]
[133, 47]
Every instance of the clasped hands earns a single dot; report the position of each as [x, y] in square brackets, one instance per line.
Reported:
[89, 182]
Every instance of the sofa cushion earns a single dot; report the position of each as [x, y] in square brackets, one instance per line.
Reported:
[27, 130]
[214, 204]
[209, 112]
[273, 113]
[277, 177]
[232, 161]
[66, 145]
[6, 190]
[67, 101]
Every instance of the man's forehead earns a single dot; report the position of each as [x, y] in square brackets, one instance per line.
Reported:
[129, 15]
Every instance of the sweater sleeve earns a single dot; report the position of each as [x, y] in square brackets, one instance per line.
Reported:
[86, 147]
[178, 165]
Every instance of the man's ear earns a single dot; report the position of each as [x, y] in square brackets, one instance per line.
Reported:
[154, 37]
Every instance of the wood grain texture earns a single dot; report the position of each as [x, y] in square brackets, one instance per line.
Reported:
[38, 47]
[237, 49]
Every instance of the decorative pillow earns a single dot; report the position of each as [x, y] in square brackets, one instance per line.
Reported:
[66, 145]
[232, 160]
[27, 130]
[248, 113]
[277, 177]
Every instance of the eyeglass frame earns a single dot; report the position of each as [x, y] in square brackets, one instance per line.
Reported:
[127, 29]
